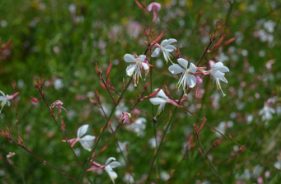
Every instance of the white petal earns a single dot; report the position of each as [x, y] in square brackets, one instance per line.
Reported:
[175, 69]
[170, 48]
[8, 103]
[145, 66]
[87, 144]
[112, 174]
[162, 94]
[155, 52]
[183, 62]
[218, 74]
[114, 164]
[89, 138]
[2, 93]
[130, 70]
[218, 64]
[191, 80]
[192, 68]
[82, 130]
[224, 79]
[110, 159]
[223, 69]
[140, 121]
[129, 58]
[168, 42]
[141, 58]
[157, 101]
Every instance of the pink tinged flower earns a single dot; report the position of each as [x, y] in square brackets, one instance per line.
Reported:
[11, 154]
[87, 141]
[198, 80]
[266, 113]
[155, 7]
[5, 99]
[110, 164]
[260, 180]
[187, 79]
[135, 69]
[136, 112]
[161, 99]
[58, 104]
[218, 71]
[166, 48]
[125, 117]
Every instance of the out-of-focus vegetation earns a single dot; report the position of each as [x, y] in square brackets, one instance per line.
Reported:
[63, 39]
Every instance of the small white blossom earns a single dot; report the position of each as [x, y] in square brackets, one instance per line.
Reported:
[218, 71]
[135, 69]
[109, 165]
[138, 126]
[166, 48]
[5, 99]
[266, 113]
[186, 78]
[128, 178]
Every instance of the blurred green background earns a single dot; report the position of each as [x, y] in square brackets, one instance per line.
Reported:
[62, 40]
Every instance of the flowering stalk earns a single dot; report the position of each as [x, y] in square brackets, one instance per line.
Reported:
[102, 132]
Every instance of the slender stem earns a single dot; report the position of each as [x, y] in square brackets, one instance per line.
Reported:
[44, 162]
[102, 132]
[205, 51]
[229, 11]
[63, 134]
[108, 90]
[210, 162]
[162, 138]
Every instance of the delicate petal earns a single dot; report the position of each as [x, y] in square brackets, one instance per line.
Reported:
[168, 42]
[149, 7]
[155, 52]
[130, 70]
[141, 58]
[140, 121]
[192, 68]
[2, 93]
[176, 69]
[218, 74]
[110, 159]
[145, 66]
[224, 79]
[183, 62]
[89, 138]
[170, 48]
[129, 58]
[114, 164]
[157, 101]
[82, 130]
[161, 94]
[87, 145]
[112, 174]
[191, 80]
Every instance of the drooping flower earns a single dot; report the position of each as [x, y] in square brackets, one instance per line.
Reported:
[5, 99]
[135, 69]
[155, 7]
[218, 71]
[108, 167]
[161, 99]
[186, 78]
[266, 112]
[125, 117]
[87, 141]
[58, 104]
[166, 48]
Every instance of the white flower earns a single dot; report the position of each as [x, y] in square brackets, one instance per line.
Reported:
[109, 165]
[87, 141]
[136, 67]
[218, 71]
[160, 100]
[266, 113]
[166, 48]
[138, 126]
[5, 99]
[186, 78]
[122, 146]
[128, 178]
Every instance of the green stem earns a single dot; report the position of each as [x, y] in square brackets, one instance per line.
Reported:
[229, 11]
[211, 164]
[99, 138]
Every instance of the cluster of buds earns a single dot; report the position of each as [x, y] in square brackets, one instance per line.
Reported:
[6, 134]
[39, 83]
[2, 49]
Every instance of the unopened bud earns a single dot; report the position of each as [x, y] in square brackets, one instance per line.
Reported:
[102, 85]
[109, 68]
[97, 95]
[7, 133]
[195, 128]
[242, 148]
[158, 38]
[146, 85]
[20, 141]
[217, 142]
[230, 137]
[166, 91]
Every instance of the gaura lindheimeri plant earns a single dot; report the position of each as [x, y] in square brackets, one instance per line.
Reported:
[155, 7]
[187, 77]
[138, 126]
[5, 99]
[166, 48]
[138, 64]
[108, 167]
[218, 71]
[87, 141]
[161, 99]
